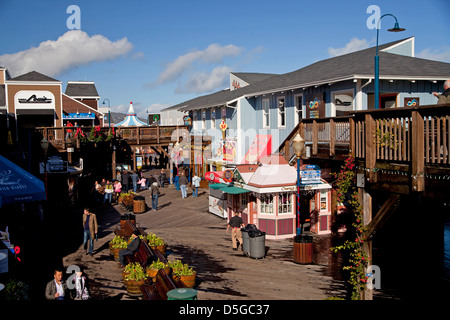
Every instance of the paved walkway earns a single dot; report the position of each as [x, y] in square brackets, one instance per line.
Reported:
[199, 238]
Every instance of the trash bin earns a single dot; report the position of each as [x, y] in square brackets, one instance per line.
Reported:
[257, 244]
[245, 242]
[303, 249]
[182, 294]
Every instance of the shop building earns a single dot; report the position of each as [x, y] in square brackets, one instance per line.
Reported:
[36, 100]
[332, 87]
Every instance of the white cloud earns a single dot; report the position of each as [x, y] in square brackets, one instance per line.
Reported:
[74, 48]
[434, 54]
[353, 45]
[206, 82]
[214, 53]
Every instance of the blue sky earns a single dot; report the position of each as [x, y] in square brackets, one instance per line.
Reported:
[160, 53]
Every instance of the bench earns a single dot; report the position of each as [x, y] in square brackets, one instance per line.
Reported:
[145, 255]
[127, 229]
[162, 284]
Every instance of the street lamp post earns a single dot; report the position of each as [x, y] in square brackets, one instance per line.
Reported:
[109, 111]
[298, 144]
[396, 28]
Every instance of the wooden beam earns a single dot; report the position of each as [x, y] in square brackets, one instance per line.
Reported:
[386, 210]
[332, 137]
[370, 148]
[418, 152]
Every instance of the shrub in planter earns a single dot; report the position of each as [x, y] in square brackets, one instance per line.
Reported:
[154, 267]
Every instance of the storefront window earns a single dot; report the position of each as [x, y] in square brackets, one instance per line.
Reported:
[244, 200]
[266, 203]
[284, 203]
[323, 201]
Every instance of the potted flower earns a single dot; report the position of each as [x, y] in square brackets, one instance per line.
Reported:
[115, 240]
[134, 277]
[184, 273]
[154, 267]
[156, 242]
[117, 246]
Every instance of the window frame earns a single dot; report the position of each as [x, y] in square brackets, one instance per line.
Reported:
[265, 115]
[281, 115]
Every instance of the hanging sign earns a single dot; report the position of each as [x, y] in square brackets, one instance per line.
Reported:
[223, 126]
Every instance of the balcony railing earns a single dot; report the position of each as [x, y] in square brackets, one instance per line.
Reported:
[417, 136]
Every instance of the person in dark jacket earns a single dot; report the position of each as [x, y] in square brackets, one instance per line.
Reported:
[445, 96]
[131, 249]
[125, 180]
[57, 289]
[183, 181]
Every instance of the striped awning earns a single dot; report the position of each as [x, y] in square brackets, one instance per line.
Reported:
[131, 119]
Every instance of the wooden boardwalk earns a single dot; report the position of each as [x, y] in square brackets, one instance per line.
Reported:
[199, 238]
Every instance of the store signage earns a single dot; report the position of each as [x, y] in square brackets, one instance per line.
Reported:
[261, 146]
[26, 99]
[310, 174]
[315, 106]
[187, 120]
[228, 175]
[78, 116]
[411, 102]
[223, 126]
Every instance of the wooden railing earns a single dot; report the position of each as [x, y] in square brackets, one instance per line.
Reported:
[415, 136]
[134, 135]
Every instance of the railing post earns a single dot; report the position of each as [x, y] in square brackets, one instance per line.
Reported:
[332, 137]
[370, 147]
[417, 152]
[352, 148]
[157, 133]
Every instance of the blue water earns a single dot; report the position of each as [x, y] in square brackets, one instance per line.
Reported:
[446, 257]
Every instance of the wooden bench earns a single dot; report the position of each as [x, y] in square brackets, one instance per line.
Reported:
[145, 255]
[127, 229]
[162, 284]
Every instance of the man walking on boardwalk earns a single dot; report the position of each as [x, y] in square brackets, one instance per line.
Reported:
[183, 181]
[236, 223]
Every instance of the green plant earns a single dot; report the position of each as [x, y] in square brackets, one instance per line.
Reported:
[158, 265]
[16, 290]
[181, 269]
[154, 240]
[119, 243]
[358, 258]
[134, 271]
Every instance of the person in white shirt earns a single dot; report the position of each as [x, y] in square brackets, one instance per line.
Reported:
[195, 185]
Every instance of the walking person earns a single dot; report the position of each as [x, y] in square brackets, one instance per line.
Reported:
[134, 179]
[56, 289]
[195, 185]
[236, 223]
[131, 249]
[154, 191]
[125, 180]
[90, 230]
[143, 183]
[117, 189]
[162, 176]
[109, 190]
[183, 181]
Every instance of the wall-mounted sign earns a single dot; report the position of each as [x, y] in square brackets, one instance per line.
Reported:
[315, 105]
[261, 146]
[228, 175]
[153, 118]
[223, 126]
[236, 84]
[26, 99]
[411, 102]
[187, 120]
[78, 116]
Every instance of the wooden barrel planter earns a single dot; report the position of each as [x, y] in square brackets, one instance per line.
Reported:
[134, 287]
[189, 281]
[151, 272]
[162, 248]
[138, 206]
[116, 253]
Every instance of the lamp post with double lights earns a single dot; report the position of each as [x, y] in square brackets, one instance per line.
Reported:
[396, 28]
[299, 144]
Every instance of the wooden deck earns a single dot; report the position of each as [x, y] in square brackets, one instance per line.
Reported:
[199, 238]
